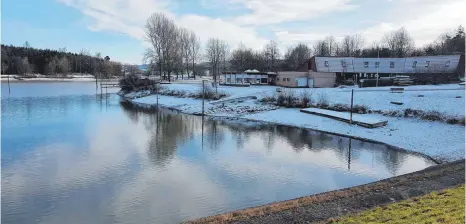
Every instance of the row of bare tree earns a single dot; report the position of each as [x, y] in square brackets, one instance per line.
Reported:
[176, 50]
[172, 49]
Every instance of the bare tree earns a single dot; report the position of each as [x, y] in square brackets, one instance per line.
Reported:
[51, 67]
[22, 65]
[296, 56]
[214, 51]
[321, 48]
[399, 42]
[63, 66]
[225, 55]
[351, 45]
[272, 54]
[331, 45]
[242, 58]
[194, 45]
[163, 35]
[185, 48]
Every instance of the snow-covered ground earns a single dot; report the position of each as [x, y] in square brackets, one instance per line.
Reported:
[441, 98]
[441, 141]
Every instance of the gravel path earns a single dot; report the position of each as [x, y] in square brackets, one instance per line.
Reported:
[323, 206]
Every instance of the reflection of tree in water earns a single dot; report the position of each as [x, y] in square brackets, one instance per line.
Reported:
[130, 111]
[171, 129]
[390, 157]
[168, 130]
[214, 134]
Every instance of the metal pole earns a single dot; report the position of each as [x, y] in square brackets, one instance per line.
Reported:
[351, 110]
[158, 87]
[378, 60]
[203, 96]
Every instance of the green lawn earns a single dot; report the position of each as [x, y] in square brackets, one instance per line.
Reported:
[438, 207]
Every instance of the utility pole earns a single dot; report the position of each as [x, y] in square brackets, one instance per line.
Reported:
[203, 96]
[158, 87]
[378, 65]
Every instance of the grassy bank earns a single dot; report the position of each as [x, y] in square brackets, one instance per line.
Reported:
[403, 190]
[437, 207]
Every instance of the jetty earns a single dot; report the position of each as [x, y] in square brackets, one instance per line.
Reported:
[363, 120]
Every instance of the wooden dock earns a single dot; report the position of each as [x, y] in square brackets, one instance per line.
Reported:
[109, 85]
[363, 120]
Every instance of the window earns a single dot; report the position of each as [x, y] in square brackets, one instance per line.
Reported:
[228, 80]
[447, 64]
[366, 64]
[284, 79]
[414, 64]
[392, 64]
[287, 79]
[326, 63]
[343, 63]
[427, 63]
[377, 64]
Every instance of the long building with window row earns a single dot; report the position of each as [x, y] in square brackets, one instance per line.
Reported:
[424, 67]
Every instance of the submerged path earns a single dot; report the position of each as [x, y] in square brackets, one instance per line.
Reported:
[320, 207]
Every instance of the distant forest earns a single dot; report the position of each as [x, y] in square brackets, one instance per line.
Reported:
[27, 60]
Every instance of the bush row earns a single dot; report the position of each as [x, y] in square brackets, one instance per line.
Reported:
[289, 98]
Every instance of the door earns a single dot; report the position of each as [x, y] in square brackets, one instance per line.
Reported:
[302, 82]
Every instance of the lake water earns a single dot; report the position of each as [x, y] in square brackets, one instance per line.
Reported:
[69, 156]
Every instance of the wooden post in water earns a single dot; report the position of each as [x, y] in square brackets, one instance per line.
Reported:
[351, 110]
[9, 90]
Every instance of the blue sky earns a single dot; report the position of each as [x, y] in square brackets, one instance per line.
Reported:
[116, 27]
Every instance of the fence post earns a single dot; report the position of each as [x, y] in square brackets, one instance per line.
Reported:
[351, 110]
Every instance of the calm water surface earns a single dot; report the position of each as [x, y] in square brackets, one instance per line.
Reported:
[70, 157]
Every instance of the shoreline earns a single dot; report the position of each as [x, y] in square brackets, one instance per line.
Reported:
[242, 118]
[331, 204]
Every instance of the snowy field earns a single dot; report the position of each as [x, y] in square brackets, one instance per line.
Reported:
[441, 141]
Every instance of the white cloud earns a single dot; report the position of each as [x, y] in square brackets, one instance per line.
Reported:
[206, 27]
[261, 20]
[424, 20]
[279, 11]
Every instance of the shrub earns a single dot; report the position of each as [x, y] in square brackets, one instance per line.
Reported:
[461, 121]
[453, 120]
[281, 99]
[340, 107]
[268, 99]
[290, 98]
[322, 100]
[360, 109]
[306, 98]
[393, 113]
[432, 116]
[129, 82]
[208, 93]
[412, 113]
